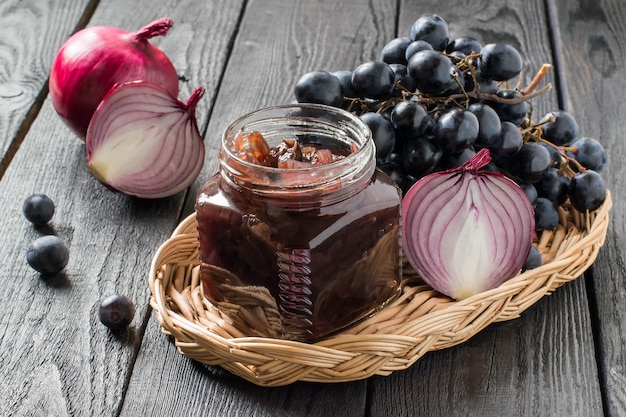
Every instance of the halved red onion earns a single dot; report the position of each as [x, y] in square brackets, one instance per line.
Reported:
[143, 142]
[467, 230]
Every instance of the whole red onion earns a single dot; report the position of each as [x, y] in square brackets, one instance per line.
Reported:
[95, 59]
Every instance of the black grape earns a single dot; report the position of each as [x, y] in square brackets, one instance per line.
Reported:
[38, 209]
[320, 87]
[47, 255]
[373, 79]
[421, 156]
[555, 155]
[511, 112]
[464, 44]
[587, 191]
[489, 125]
[453, 160]
[456, 130]
[432, 29]
[402, 81]
[382, 133]
[533, 162]
[409, 118]
[533, 260]
[546, 214]
[553, 186]
[589, 153]
[560, 127]
[394, 52]
[416, 46]
[345, 78]
[500, 62]
[431, 71]
[530, 191]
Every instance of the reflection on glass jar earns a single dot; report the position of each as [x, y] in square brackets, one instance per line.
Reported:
[302, 250]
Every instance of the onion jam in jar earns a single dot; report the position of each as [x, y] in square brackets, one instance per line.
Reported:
[299, 232]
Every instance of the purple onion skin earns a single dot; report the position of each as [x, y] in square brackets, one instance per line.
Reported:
[467, 231]
[93, 60]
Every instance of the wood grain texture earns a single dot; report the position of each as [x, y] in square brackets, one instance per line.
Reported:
[518, 368]
[523, 367]
[594, 55]
[32, 33]
[55, 356]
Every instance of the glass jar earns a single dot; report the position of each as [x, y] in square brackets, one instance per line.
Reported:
[303, 252]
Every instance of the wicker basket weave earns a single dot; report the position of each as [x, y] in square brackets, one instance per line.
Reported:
[419, 321]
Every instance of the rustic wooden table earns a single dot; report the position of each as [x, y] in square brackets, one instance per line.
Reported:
[565, 356]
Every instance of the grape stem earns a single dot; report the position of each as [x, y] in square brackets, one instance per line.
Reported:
[536, 80]
[512, 100]
[462, 99]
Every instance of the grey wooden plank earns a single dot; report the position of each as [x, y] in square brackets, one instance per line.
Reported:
[592, 35]
[32, 33]
[278, 41]
[55, 356]
[526, 367]
[166, 383]
[542, 364]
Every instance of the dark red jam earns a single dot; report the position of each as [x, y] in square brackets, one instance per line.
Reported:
[299, 268]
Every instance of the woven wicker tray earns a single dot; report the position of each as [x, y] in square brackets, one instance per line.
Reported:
[419, 321]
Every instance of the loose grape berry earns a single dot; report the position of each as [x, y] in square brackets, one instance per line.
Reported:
[38, 209]
[116, 311]
[47, 255]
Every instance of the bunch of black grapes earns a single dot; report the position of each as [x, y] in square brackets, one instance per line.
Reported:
[432, 102]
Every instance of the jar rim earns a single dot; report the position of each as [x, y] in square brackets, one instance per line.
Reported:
[276, 123]
[350, 117]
